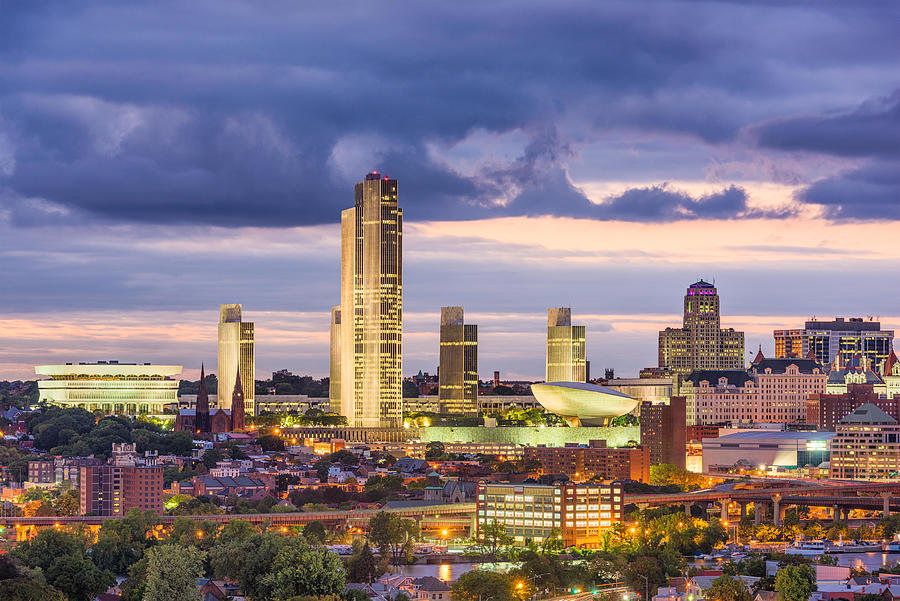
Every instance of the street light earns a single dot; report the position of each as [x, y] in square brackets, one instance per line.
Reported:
[647, 589]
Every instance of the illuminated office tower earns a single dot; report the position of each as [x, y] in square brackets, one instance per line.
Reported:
[458, 373]
[370, 333]
[700, 343]
[825, 341]
[565, 347]
[236, 352]
[334, 375]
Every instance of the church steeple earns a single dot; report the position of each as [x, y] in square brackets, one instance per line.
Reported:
[759, 356]
[237, 405]
[201, 414]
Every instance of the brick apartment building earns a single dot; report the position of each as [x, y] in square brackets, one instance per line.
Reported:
[664, 431]
[110, 490]
[827, 410]
[594, 460]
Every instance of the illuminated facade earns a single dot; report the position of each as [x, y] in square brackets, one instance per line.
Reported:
[334, 373]
[840, 339]
[369, 337]
[458, 387]
[236, 353]
[701, 343]
[578, 514]
[111, 387]
[565, 347]
[866, 446]
[771, 391]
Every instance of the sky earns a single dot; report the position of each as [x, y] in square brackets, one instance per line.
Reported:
[158, 159]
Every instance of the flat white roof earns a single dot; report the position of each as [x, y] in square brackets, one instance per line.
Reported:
[107, 369]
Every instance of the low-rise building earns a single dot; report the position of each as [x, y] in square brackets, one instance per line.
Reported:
[578, 514]
[766, 449]
[594, 460]
[827, 410]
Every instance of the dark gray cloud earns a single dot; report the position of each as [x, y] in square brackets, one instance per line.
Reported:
[870, 130]
[871, 192]
[231, 114]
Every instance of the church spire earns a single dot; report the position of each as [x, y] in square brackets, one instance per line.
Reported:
[201, 412]
[237, 405]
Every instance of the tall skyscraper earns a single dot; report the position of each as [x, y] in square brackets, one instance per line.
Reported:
[565, 347]
[700, 343]
[369, 335]
[236, 352]
[458, 381]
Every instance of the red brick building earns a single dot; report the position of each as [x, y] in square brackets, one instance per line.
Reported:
[108, 490]
[664, 431]
[581, 463]
[826, 410]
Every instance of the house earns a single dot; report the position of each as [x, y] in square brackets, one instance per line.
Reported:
[429, 588]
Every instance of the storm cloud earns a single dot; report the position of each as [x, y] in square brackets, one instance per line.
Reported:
[235, 114]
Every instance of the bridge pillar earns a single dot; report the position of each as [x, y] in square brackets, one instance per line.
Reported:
[743, 505]
[724, 503]
[759, 510]
[687, 509]
[776, 510]
[886, 495]
[835, 513]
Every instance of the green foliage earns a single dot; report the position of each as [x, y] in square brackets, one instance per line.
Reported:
[270, 443]
[28, 589]
[211, 457]
[795, 583]
[728, 588]
[315, 532]
[67, 504]
[75, 432]
[272, 567]
[393, 536]
[491, 539]
[362, 566]
[120, 543]
[78, 577]
[175, 474]
[477, 585]
[62, 557]
[666, 474]
[768, 532]
[434, 450]
[645, 574]
[171, 573]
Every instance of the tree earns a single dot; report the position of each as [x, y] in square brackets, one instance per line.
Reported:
[668, 474]
[45, 548]
[477, 585]
[728, 588]
[363, 566]
[211, 457]
[301, 570]
[491, 538]
[172, 571]
[434, 450]
[645, 574]
[67, 504]
[28, 589]
[767, 532]
[78, 577]
[315, 532]
[392, 535]
[795, 583]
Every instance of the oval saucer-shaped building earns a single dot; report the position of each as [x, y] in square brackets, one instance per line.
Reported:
[580, 403]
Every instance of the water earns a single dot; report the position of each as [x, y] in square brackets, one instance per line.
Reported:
[449, 572]
[867, 561]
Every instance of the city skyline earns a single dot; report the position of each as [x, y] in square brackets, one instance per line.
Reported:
[141, 184]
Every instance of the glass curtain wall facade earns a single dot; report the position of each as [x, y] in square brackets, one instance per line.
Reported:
[566, 354]
[236, 352]
[370, 333]
[458, 386]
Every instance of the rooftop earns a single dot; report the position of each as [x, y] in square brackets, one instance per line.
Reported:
[868, 414]
[774, 435]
